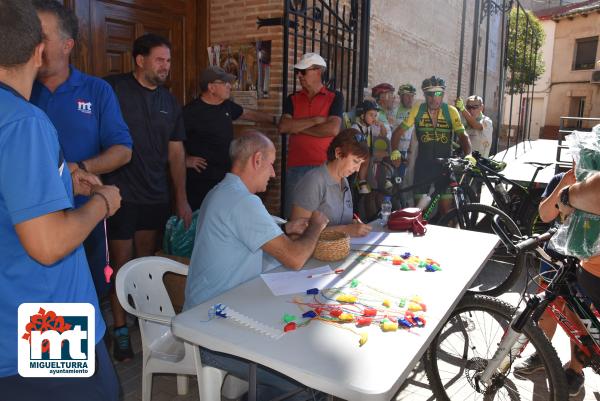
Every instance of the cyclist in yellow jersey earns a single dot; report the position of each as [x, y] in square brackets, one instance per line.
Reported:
[435, 122]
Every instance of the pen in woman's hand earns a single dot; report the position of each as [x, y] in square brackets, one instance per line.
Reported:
[358, 218]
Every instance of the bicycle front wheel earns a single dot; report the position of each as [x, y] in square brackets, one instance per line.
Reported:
[502, 269]
[468, 340]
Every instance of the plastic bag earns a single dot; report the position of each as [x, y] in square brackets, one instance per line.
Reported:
[585, 150]
[177, 240]
[579, 235]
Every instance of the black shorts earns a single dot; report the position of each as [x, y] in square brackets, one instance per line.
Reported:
[590, 285]
[132, 217]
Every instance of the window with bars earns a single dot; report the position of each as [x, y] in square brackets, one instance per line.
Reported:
[585, 53]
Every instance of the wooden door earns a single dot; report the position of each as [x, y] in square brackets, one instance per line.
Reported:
[108, 30]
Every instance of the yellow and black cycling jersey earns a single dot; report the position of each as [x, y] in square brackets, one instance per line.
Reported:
[420, 118]
[434, 142]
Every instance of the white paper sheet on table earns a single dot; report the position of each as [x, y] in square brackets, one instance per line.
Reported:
[293, 282]
[380, 238]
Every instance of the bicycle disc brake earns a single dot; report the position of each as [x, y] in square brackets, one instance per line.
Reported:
[473, 370]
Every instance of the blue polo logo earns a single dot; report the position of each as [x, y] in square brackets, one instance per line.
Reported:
[84, 106]
[56, 340]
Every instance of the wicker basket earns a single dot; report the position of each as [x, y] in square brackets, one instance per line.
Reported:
[332, 246]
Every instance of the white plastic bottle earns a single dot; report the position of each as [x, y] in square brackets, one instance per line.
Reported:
[386, 209]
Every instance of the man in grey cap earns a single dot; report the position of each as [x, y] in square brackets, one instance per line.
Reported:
[208, 124]
[311, 117]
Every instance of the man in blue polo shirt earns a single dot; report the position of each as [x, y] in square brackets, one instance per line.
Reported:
[41, 257]
[86, 114]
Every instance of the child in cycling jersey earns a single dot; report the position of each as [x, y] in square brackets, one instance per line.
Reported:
[375, 174]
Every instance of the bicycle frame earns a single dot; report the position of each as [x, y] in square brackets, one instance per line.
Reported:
[527, 194]
[446, 180]
[585, 331]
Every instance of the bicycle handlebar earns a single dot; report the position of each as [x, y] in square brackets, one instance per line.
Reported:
[533, 242]
[523, 245]
[452, 161]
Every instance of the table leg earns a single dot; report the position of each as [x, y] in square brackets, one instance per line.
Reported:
[252, 382]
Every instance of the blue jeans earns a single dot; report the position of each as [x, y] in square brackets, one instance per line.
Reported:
[270, 383]
[293, 175]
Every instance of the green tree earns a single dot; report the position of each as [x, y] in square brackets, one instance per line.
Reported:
[527, 65]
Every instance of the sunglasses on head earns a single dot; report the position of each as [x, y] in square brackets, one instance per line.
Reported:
[303, 72]
[436, 93]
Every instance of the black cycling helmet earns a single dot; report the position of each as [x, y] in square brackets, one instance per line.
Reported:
[406, 89]
[365, 106]
[433, 83]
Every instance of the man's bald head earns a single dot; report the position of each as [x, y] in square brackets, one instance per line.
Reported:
[243, 147]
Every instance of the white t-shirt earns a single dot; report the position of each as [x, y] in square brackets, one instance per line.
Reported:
[481, 140]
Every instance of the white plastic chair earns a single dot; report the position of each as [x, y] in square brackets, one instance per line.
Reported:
[141, 281]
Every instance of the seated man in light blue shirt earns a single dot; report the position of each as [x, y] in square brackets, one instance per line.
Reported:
[234, 228]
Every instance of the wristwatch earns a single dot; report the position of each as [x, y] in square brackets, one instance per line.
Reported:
[564, 196]
[81, 165]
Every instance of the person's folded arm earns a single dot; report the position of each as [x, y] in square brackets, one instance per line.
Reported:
[331, 127]
[290, 125]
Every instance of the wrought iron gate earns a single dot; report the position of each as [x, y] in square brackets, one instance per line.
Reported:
[518, 58]
[339, 31]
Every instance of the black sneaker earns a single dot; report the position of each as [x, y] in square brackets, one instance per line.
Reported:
[529, 366]
[574, 381]
[122, 345]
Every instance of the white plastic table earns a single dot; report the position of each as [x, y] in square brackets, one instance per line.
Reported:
[519, 159]
[328, 358]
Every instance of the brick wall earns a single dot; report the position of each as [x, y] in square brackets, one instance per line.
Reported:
[234, 22]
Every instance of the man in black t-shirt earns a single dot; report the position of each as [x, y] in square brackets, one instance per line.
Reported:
[209, 131]
[156, 127]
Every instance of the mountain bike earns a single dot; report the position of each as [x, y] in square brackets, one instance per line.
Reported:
[475, 350]
[520, 202]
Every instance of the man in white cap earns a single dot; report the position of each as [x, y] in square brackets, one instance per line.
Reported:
[311, 117]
